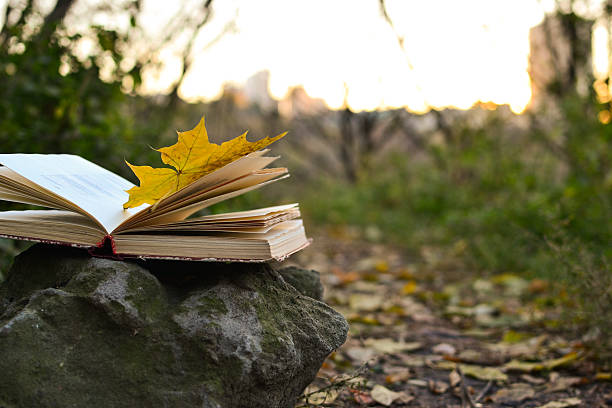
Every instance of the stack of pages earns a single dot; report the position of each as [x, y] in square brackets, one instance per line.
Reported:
[88, 211]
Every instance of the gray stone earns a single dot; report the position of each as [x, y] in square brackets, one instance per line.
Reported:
[306, 281]
[77, 331]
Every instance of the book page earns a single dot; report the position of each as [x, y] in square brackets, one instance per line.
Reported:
[240, 167]
[256, 177]
[97, 191]
[248, 214]
[263, 217]
[182, 213]
[50, 225]
[244, 165]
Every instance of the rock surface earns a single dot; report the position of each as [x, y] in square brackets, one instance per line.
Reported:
[77, 331]
[306, 281]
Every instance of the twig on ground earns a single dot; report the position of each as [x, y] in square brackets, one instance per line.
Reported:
[334, 384]
[465, 393]
[462, 395]
[484, 392]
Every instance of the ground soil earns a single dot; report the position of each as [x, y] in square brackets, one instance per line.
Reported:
[426, 332]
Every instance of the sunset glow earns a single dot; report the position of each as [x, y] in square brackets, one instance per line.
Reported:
[457, 53]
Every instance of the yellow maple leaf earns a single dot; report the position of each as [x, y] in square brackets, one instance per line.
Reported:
[191, 157]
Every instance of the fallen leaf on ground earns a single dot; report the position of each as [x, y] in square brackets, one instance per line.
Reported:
[484, 373]
[479, 332]
[365, 287]
[437, 387]
[386, 397]
[315, 397]
[415, 310]
[391, 346]
[365, 303]
[400, 376]
[516, 365]
[413, 361]
[343, 278]
[487, 320]
[514, 285]
[514, 337]
[538, 286]
[459, 311]
[508, 350]
[404, 398]
[454, 378]
[514, 394]
[369, 320]
[444, 349]
[423, 317]
[405, 273]
[483, 286]
[409, 288]
[418, 383]
[365, 264]
[360, 354]
[533, 380]
[483, 357]
[191, 157]
[479, 372]
[562, 383]
[385, 319]
[564, 403]
[381, 266]
[361, 397]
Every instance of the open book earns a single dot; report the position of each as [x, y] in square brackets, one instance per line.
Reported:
[87, 211]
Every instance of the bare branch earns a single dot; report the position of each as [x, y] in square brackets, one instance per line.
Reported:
[54, 18]
[4, 31]
[401, 42]
[187, 59]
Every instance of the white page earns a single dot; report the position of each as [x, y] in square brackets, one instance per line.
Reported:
[97, 191]
[233, 220]
[181, 213]
[243, 165]
[259, 212]
[254, 178]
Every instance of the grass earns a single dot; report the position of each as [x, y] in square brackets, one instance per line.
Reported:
[513, 203]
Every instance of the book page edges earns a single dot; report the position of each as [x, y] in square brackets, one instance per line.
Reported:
[30, 167]
[279, 258]
[96, 250]
[45, 241]
[182, 213]
[219, 175]
[117, 256]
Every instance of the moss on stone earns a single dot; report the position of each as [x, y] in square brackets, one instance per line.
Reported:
[240, 338]
[147, 295]
[271, 334]
[210, 304]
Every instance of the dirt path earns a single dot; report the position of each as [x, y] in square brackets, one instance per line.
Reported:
[426, 334]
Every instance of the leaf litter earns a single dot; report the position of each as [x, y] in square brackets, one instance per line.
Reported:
[423, 334]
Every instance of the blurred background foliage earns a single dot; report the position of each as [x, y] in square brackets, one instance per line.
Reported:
[529, 194]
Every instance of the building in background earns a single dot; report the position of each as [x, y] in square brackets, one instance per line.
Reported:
[560, 57]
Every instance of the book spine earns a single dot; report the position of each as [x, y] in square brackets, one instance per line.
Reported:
[105, 249]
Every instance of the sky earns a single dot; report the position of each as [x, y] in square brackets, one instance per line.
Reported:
[456, 52]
